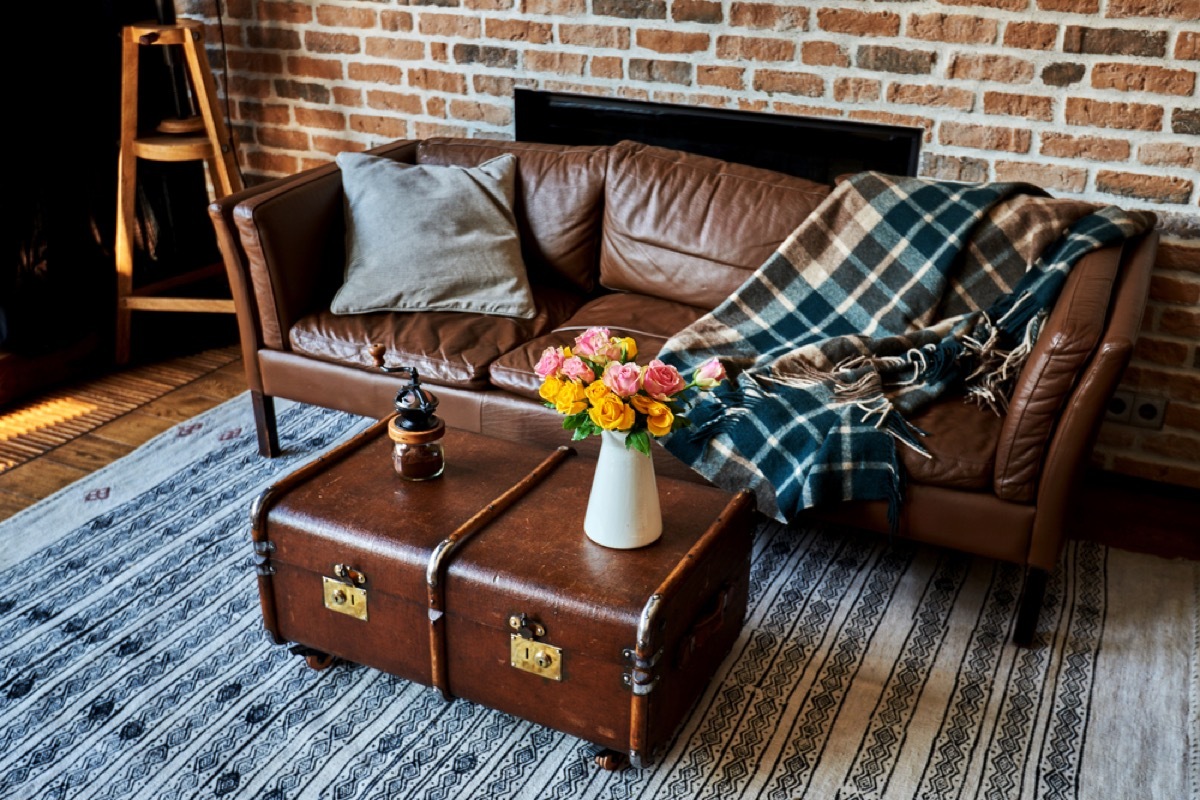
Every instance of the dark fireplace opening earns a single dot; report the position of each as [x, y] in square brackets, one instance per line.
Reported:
[814, 148]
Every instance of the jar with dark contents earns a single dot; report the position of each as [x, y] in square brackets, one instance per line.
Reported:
[417, 455]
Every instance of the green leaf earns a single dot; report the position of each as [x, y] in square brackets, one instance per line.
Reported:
[579, 433]
[640, 441]
[573, 422]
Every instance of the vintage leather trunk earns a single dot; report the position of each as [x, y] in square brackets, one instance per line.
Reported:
[481, 583]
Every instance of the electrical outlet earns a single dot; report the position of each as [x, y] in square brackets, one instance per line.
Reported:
[1120, 406]
[1148, 411]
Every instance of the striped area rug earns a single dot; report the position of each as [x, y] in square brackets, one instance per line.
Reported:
[133, 664]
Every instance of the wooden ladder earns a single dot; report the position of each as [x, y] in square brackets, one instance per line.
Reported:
[204, 138]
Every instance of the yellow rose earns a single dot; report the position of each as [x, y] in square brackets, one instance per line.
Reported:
[612, 414]
[549, 388]
[629, 346]
[570, 399]
[596, 391]
[659, 418]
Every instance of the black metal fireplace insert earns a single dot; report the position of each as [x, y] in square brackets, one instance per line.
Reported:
[814, 148]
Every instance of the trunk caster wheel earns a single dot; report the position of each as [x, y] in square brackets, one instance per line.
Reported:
[319, 661]
[609, 759]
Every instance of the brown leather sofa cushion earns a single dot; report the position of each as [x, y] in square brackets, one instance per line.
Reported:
[692, 228]
[1066, 342]
[448, 348]
[559, 191]
[649, 320]
[961, 441]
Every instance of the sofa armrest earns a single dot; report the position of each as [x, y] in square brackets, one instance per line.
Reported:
[292, 237]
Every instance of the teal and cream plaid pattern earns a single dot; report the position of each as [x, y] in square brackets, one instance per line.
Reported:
[894, 291]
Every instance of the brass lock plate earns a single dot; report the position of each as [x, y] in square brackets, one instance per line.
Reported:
[537, 657]
[345, 598]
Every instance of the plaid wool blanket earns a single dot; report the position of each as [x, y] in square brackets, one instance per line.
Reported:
[893, 292]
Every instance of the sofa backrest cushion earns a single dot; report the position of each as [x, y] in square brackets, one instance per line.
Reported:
[559, 194]
[691, 228]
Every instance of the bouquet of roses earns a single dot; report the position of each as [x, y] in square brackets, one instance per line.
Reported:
[598, 387]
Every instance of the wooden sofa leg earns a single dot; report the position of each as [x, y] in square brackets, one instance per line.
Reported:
[264, 423]
[1030, 607]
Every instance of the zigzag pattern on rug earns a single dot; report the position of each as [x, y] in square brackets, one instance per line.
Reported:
[867, 668]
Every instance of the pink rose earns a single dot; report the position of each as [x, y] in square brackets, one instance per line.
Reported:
[575, 369]
[709, 374]
[622, 379]
[661, 381]
[592, 342]
[550, 362]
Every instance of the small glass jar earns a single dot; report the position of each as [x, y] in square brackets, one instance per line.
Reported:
[418, 455]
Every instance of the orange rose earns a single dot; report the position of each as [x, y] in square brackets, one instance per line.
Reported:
[612, 414]
[659, 418]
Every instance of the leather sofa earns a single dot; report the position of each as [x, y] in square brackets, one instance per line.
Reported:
[644, 240]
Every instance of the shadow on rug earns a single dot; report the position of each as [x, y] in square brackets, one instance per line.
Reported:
[133, 663]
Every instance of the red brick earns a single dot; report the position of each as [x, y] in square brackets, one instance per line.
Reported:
[556, 62]
[489, 5]
[262, 113]
[768, 16]
[297, 13]
[668, 41]
[1171, 445]
[1090, 147]
[1115, 435]
[903, 120]
[861, 23]
[439, 52]
[1143, 78]
[856, 90]
[1114, 42]
[824, 54]
[554, 7]
[1007, 5]
[960, 28]
[272, 38]
[1031, 35]
[343, 17]
[1161, 351]
[394, 101]
[1178, 289]
[474, 111]
[436, 106]
[797, 110]
[1170, 154]
[347, 96]
[1004, 69]
[777, 81]
[428, 130]
[1048, 176]
[395, 49]
[315, 68]
[689, 98]
[626, 92]
[255, 61]
[594, 36]
[519, 30]
[459, 25]
[387, 127]
[725, 77]
[954, 168]
[1178, 254]
[285, 138]
[496, 85]
[438, 3]
[982, 137]
[657, 71]
[375, 73]
[1186, 120]
[696, 11]
[930, 95]
[1178, 385]
[1182, 416]
[334, 144]
[606, 67]
[1127, 116]
[275, 163]
[1018, 105]
[1163, 473]
[746, 104]
[299, 90]
[396, 21]
[249, 87]
[630, 9]
[746, 48]
[489, 56]
[1187, 46]
[1158, 188]
[322, 42]
[437, 81]
[1070, 6]
[1062, 74]
[903, 60]
[1185, 10]
[320, 118]
[1180, 322]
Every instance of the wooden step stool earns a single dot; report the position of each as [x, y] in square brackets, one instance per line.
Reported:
[201, 138]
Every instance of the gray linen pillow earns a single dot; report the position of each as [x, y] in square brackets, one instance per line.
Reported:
[425, 237]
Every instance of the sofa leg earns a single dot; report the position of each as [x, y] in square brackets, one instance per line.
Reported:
[1030, 607]
[264, 423]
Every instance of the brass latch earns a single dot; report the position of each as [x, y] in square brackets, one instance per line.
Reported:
[346, 596]
[528, 654]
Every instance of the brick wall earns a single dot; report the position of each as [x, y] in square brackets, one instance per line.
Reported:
[1095, 99]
